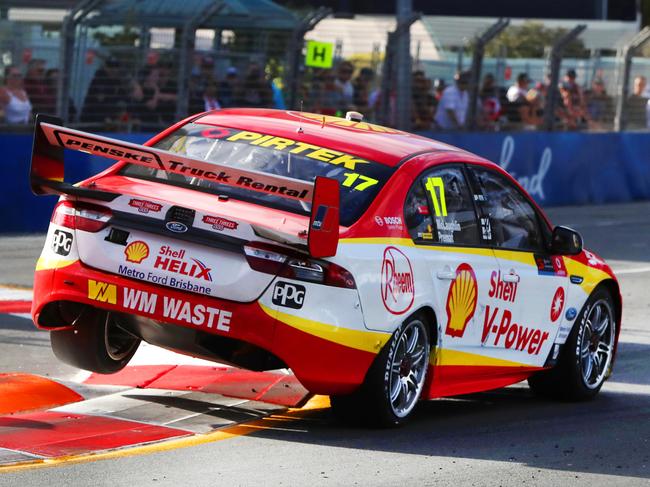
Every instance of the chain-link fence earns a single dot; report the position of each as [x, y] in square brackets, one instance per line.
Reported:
[114, 72]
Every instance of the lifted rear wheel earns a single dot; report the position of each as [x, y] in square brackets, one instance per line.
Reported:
[395, 381]
[96, 343]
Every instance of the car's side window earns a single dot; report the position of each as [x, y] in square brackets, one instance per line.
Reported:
[513, 222]
[439, 208]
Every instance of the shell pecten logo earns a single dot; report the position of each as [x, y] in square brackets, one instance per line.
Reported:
[136, 251]
[461, 300]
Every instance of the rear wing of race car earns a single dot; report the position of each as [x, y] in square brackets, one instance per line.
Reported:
[48, 168]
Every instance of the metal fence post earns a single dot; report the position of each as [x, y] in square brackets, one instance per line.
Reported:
[185, 59]
[292, 76]
[477, 64]
[388, 71]
[555, 64]
[68, 30]
[623, 81]
[383, 114]
[403, 76]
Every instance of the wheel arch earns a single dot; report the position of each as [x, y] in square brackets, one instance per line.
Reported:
[432, 321]
[614, 289]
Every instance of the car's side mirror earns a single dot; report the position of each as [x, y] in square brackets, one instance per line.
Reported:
[566, 241]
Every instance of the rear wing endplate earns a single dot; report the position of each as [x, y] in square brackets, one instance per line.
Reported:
[48, 168]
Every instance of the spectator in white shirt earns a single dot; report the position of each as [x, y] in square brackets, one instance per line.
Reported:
[452, 107]
[523, 104]
[517, 92]
[344, 82]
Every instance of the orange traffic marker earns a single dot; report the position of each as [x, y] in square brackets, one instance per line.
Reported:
[26, 392]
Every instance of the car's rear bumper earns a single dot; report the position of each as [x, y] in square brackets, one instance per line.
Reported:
[326, 363]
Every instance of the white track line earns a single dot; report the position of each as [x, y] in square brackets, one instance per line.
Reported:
[637, 270]
[15, 294]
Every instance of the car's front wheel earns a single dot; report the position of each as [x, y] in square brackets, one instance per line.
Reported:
[586, 359]
[96, 343]
[395, 381]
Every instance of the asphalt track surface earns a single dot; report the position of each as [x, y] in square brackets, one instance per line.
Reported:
[504, 437]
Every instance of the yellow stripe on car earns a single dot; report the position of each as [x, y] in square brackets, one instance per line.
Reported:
[591, 276]
[367, 341]
[45, 263]
[446, 356]
[512, 255]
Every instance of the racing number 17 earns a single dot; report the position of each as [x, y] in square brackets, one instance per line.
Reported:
[364, 181]
[439, 204]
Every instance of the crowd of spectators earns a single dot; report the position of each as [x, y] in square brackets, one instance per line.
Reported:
[147, 100]
[437, 105]
[521, 105]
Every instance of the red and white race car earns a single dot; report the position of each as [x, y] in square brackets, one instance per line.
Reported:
[380, 266]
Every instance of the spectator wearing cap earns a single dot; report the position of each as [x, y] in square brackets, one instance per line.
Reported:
[522, 109]
[452, 108]
[599, 105]
[518, 91]
[107, 95]
[574, 101]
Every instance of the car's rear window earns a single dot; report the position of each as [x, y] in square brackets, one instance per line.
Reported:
[360, 179]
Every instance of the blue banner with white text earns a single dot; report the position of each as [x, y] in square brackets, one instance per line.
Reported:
[567, 168]
[561, 168]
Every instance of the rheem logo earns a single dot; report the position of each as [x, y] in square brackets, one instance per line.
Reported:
[397, 285]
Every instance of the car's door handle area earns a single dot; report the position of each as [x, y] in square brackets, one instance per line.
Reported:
[446, 274]
[512, 276]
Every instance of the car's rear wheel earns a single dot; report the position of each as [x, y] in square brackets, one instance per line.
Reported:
[96, 343]
[394, 382]
[586, 359]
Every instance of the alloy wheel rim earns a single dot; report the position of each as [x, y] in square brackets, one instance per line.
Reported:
[408, 368]
[118, 342]
[597, 344]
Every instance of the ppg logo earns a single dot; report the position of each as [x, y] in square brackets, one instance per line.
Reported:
[61, 242]
[289, 295]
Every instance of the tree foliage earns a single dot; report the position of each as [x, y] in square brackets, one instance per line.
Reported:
[529, 41]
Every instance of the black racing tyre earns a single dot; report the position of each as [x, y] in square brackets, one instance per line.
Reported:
[586, 358]
[394, 383]
[95, 343]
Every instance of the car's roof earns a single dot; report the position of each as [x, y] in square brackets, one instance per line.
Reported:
[369, 141]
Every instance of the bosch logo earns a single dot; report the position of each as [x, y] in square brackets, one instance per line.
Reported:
[62, 242]
[176, 227]
[289, 295]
